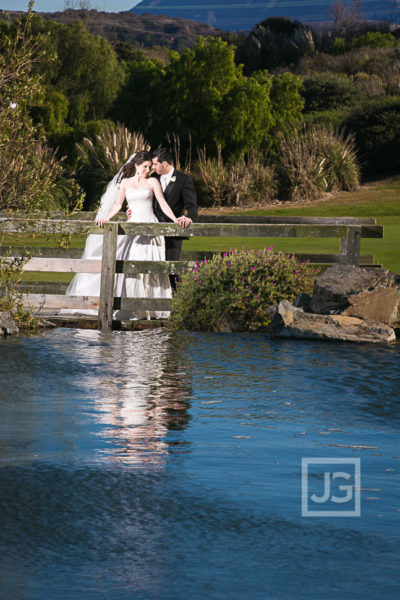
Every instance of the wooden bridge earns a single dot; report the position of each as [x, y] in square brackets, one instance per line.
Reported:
[47, 298]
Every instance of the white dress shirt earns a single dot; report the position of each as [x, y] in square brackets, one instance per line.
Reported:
[165, 179]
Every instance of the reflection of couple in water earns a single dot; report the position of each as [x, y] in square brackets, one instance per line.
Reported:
[140, 397]
[165, 197]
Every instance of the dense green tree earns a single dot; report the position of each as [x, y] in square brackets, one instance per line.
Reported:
[89, 73]
[31, 177]
[82, 67]
[325, 91]
[287, 102]
[376, 125]
[203, 95]
[195, 85]
[274, 43]
[141, 99]
[127, 52]
[246, 114]
[371, 39]
[209, 96]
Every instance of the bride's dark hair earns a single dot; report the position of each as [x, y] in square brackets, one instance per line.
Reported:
[129, 168]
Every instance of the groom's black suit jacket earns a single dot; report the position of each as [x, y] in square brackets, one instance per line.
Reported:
[181, 197]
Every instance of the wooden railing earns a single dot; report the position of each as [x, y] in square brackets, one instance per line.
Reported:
[349, 230]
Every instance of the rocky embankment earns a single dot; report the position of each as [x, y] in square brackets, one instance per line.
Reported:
[7, 325]
[348, 304]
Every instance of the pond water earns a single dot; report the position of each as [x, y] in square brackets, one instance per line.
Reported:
[168, 465]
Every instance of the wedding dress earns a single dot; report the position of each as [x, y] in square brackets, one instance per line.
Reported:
[139, 247]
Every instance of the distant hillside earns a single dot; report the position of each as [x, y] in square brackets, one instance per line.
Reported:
[140, 30]
[243, 15]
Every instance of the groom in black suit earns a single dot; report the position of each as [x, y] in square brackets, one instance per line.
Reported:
[179, 192]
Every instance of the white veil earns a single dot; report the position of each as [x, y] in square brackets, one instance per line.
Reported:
[110, 195]
[88, 284]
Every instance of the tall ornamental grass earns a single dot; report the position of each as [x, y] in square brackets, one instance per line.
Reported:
[236, 291]
[315, 160]
[102, 157]
[245, 181]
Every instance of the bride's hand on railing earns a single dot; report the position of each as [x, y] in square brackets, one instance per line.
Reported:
[100, 222]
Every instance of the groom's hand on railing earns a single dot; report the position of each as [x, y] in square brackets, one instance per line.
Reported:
[184, 221]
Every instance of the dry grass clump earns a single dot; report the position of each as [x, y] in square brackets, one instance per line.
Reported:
[245, 181]
[102, 157]
[316, 160]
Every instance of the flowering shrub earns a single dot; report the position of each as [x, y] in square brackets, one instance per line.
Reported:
[235, 292]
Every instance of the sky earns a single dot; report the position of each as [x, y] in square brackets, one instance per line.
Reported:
[57, 5]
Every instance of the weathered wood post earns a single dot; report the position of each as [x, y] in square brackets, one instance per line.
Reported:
[109, 256]
[350, 246]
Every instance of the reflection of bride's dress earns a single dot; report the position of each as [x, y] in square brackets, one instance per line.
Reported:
[137, 247]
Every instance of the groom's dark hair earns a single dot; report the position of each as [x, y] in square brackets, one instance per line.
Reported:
[163, 155]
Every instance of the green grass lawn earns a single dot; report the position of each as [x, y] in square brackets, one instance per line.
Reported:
[378, 199]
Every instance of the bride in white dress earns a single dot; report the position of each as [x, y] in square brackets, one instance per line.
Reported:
[134, 184]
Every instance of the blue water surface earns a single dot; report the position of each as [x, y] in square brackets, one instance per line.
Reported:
[168, 465]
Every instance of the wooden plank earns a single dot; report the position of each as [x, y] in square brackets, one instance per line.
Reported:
[131, 268]
[49, 226]
[190, 256]
[231, 218]
[143, 304]
[107, 276]
[42, 287]
[18, 252]
[213, 218]
[196, 229]
[372, 231]
[88, 322]
[57, 301]
[63, 265]
[350, 246]
[60, 301]
[153, 229]
[329, 258]
[84, 215]
[233, 230]
[313, 258]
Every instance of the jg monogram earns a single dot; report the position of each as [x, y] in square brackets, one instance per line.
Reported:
[335, 493]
